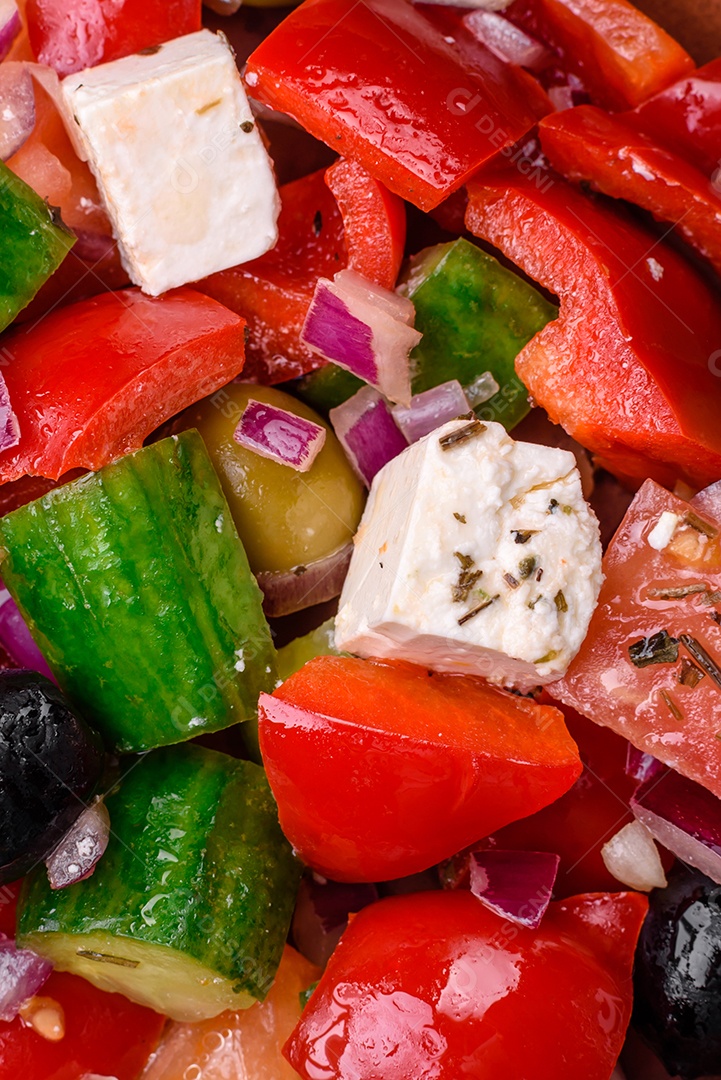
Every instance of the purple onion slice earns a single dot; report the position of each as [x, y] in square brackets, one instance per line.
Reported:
[16, 639]
[321, 914]
[10, 26]
[684, 817]
[515, 884]
[82, 847]
[367, 432]
[17, 115]
[431, 409]
[280, 435]
[286, 591]
[22, 974]
[366, 330]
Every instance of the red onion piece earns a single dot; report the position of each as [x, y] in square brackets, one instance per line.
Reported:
[641, 766]
[10, 25]
[708, 501]
[684, 817]
[482, 389]
[632, 857]
[287, 591]
[91, 246]
[279, 435]
[22, 973]
[429, 410]
[515, 884]
[82, 847]
[9, 427]
[507, 41]
[16, 639]
[321, 914]
[368, 433]
[366, 330]
[17, 114]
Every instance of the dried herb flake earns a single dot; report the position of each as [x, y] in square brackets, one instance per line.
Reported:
[461, 435]
[672, 706]
[478, 609]
[526, 567]
[512, 582]
[660, 648]
[702, 658]
[560, 601]
[678, 593]
[522, 536]
[690, 675]
[460, 517]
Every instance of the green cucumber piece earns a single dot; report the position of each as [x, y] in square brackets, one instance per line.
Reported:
[326, 387]
[475, 316]
[319, 642]
[146, 611]
[189, 908]
[33, 243]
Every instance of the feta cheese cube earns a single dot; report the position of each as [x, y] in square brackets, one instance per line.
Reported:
[481, 557]
[179, 161]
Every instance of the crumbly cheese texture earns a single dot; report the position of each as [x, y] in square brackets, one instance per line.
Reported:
[481, 558]
[178, 158]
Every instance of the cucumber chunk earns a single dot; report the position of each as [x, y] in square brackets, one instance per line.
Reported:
[188, 910]
[148, 614]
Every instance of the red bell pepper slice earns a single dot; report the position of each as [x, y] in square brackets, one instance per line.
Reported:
[69, 35]
[626, 367]
[686, 118]
[379, 83]
[620, 55]
[577, 825]
[435, 985]
[380, 770]
[329, 220]
[588, 144]
[89, 382]
[105, 1035]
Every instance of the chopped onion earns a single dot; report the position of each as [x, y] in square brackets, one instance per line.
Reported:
[366, 330]
[368, 433]
[321, 914]
[9, 427]
[641, 766]
[515, 884]
[431, 409]
[293, 590]
[82, 847]
[684, 817]
[92, 246]
[708, 501]
[10, 25]
[481, 389]
[279, 435]
[631, 856]
[17, 116]
[561, 97]
[16, 639]
[507, 41]
[22, 973]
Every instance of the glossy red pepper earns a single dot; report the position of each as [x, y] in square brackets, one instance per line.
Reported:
[627, 368]
[382, 769]
[577, 825]
[105, 1035]
[69, 35]
[89, 382]
[329, 220]
[378, 82]
[588, 144]
[434, 985]
[686, 118]
[620, 55]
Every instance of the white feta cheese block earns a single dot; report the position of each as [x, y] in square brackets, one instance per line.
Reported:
[178, 158]
[481, 558]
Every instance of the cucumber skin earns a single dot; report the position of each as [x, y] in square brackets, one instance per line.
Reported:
[226, 902]
[143, 600]
[475, 316]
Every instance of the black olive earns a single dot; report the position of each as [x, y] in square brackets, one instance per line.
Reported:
[51, 763]
[677, 980]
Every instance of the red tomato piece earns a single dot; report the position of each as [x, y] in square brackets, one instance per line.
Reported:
[577, 825]
[105, 1034]
[382, 769]
[328, 221]
[620, 55]
[588, 144]
[434, 985]
[88, 383]
[379, 83]
[678, 722]
[626, 367]
[70, 35]
[244, 1045]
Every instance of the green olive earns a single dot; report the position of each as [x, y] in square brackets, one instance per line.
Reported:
[284, 518]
